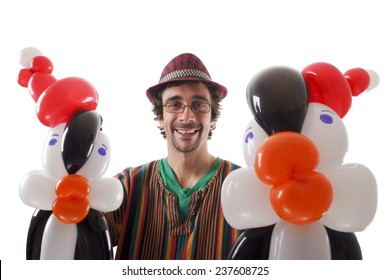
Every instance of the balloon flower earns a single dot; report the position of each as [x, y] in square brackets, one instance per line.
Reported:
[70, 192]
[297, 199]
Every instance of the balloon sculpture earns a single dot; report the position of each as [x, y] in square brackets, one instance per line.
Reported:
[297, 199]
[70, 192]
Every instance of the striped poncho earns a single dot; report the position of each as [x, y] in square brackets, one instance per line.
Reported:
[147, 225]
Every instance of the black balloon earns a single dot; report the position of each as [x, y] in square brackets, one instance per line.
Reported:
[278, 99]
[35, 233]
[344, 245]
[93, 239]
[254, 244]
[79, 138]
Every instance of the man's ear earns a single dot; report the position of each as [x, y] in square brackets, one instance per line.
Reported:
[213, 124]
[160, 123]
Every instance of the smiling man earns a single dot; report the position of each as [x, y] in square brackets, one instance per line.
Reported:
[172, 206]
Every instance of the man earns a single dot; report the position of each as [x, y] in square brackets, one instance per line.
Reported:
[172, 206]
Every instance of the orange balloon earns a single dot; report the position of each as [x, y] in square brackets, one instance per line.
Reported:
[282, 155]
[303, 199]
[73, 186]
[71, 205]
[70, 211]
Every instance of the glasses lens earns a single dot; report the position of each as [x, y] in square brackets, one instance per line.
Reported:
[174, 107]
[200, 107]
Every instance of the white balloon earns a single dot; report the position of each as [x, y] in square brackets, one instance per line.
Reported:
[254, 136]
[26, 56]
[58, 240]
[325, 128]
[99, 159]
[354, 198]
[37, 190]
[245, 200]
[51, 155]
[299, 242]
[374, 79]
[106, 194]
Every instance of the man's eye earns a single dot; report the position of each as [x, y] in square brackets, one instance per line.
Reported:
[175, 105]
[198, 105]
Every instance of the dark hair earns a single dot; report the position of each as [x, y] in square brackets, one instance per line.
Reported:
[215, 104]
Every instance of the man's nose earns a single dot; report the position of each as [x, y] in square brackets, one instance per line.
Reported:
[187, 113]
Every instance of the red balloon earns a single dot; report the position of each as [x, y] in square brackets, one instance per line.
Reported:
[72, 205]
[42, 64]
[73, 186]
[328, 86]
[283, 155]
[70, 211]
[303, 199]
[287, 161]
[39, 83]
[358, 80]
[63, 98]
[24, 76]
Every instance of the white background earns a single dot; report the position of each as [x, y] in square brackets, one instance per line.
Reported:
[121, 47]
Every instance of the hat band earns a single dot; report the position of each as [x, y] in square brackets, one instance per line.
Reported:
[185, 73]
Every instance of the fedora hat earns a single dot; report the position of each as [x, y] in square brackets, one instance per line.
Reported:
[184, 67]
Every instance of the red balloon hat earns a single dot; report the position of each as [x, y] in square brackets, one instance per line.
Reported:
[327, 85]
[56, 100]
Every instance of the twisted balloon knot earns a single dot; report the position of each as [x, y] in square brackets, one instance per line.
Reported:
[287, 161]
[71, 205]
[39, 64]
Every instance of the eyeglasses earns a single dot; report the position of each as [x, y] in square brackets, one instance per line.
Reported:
[197, 107]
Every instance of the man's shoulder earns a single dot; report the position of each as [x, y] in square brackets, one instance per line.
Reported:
[230, 165]
[138, 169]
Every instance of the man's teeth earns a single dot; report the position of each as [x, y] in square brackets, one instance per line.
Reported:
[186, 131]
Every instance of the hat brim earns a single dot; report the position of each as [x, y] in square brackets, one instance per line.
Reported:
[153, 91]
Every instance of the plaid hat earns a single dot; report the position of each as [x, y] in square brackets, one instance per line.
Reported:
[184, 67]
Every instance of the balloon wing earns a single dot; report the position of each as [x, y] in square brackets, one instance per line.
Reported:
[37, 190]
[355, 198]
[106, 194]
[245, 200]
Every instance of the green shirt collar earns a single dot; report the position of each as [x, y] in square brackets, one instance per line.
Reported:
[184, 194]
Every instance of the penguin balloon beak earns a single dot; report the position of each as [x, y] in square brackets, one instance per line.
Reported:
[79, 138]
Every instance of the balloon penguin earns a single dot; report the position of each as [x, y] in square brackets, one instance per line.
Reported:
[297, 199]
[70, 193]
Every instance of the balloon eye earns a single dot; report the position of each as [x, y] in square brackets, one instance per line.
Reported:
[102, 151]
[327, 119]
[248, 137]
[52, 142]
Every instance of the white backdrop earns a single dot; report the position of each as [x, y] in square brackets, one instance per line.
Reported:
[121, 47]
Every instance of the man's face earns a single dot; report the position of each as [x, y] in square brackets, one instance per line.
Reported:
[186, 131]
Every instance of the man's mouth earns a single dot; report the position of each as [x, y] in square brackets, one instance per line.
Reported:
[182, 131]
[187, 129]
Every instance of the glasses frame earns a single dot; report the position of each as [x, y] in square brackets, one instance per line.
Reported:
[183, 106]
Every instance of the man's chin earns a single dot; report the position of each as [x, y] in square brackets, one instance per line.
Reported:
[186, 147]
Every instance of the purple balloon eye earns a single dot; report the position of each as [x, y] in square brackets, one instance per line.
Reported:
[327, 119]
[102, 151]
[249, 136]
[53, 141]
